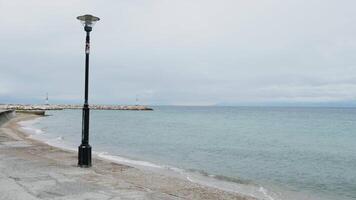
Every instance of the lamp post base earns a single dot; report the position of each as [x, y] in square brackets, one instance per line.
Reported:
[84, 156]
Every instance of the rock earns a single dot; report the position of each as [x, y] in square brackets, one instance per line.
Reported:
[71, 106]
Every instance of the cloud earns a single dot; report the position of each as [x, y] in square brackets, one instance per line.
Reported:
[180, 52]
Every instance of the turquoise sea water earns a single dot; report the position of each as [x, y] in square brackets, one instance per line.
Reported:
[293, 153]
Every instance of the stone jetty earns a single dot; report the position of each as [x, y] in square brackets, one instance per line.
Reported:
[70, 106]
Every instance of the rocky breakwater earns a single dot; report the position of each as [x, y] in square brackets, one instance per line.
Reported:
[22, 107]
[28, 107]
[113, 107]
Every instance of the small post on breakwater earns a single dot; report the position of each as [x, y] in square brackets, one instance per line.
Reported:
[47, 103]
[84, 150]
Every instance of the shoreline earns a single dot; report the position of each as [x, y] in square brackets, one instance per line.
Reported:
[112, 176]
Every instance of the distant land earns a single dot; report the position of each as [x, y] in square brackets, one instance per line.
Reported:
[292, 104]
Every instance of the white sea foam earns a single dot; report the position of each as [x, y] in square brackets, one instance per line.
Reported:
[235, 187]
[33, 132]
[58, 142]
[123, 160]
[207, 180]
[266, 194]
[29, 128]
[178, 170]
[60, 138]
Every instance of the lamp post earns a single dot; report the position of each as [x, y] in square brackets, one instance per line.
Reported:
[84, 150]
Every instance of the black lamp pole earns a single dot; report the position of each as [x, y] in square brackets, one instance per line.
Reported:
[84, 150]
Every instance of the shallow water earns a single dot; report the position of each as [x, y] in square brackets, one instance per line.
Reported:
[287, 153]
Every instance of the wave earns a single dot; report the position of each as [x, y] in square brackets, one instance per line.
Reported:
[123, 160]
[266, 193]
[60, 138]
[28, 126]
[36, 133]
[222, 177]
[230, 184]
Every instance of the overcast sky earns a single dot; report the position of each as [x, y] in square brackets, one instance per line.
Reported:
[180, 52]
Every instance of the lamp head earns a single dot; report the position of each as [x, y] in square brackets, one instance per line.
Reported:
[88, 21]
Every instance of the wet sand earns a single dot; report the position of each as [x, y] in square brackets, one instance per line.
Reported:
[30, 169]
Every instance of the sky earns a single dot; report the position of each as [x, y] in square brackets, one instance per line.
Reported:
[180, 52]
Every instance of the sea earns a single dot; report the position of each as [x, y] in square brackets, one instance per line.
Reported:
[271, 153]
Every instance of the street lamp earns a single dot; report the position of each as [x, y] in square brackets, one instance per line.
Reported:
[84, 150]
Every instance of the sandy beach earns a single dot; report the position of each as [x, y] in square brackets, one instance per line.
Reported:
[30, 169]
